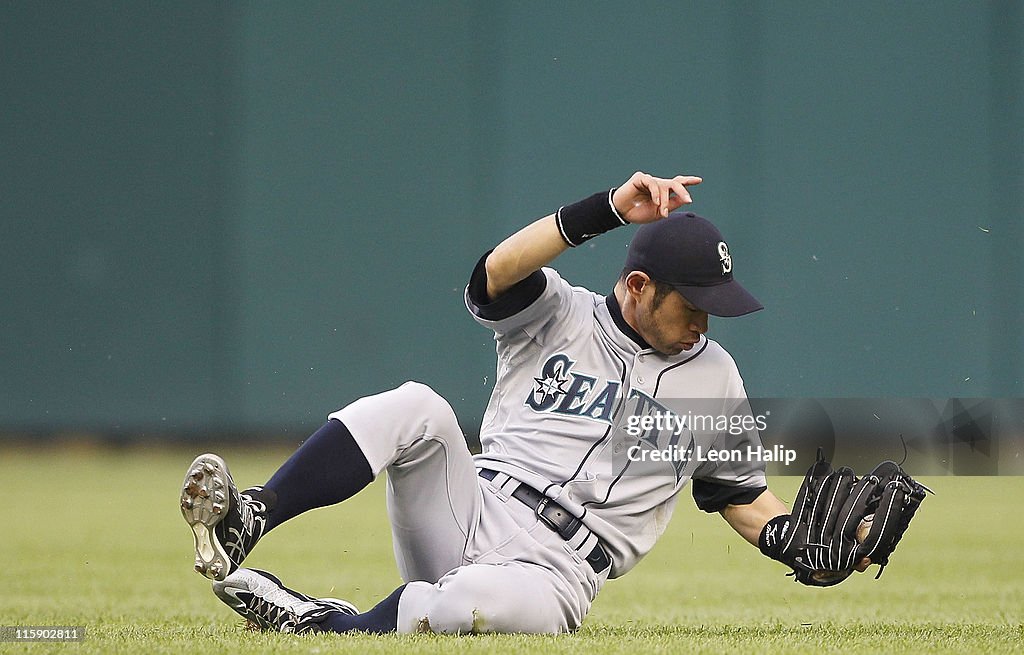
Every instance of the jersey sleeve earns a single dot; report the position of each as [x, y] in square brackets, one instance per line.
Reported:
[533, 301]
[739, 479]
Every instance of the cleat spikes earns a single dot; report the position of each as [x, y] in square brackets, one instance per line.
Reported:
[225, 526]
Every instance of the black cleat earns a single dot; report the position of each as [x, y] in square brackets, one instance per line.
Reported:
[226, 524]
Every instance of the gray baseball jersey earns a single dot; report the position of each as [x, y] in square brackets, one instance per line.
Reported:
[577, 392]
[574, 382]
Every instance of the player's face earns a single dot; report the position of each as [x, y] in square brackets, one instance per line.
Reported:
[671, 326]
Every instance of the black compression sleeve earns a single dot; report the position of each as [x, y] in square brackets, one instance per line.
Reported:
[713, 497]
[520, 296]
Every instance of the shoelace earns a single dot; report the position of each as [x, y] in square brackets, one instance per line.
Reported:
[251, 512]
[275, 615]
[286, 610]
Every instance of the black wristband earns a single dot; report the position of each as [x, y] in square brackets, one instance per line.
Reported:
[588, 218]
[770, 542]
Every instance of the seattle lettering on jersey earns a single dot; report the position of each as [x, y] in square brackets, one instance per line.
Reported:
[657, 435]
[561, 390]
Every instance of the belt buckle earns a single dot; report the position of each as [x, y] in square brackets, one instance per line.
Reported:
[542, 517]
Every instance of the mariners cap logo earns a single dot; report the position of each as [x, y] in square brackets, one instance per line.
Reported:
[724, 257]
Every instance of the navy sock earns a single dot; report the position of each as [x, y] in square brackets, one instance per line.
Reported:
[382, 618]
[327, 468]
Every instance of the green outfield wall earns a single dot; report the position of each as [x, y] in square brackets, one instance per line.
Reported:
[236, 217]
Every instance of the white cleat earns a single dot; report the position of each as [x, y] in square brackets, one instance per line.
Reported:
[266, 604]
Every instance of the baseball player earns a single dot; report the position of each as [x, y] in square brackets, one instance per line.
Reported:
[567, 492]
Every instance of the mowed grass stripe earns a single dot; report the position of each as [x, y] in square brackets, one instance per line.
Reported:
[93, 537]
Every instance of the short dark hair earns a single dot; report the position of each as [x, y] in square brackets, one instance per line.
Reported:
[661, 289]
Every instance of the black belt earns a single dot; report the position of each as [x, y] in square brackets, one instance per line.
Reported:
[555, 517]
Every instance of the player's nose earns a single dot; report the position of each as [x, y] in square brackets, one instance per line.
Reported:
[700, 323]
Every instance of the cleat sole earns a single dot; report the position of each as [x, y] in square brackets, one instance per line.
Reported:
[202, 513]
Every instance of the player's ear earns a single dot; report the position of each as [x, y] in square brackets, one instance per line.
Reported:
[636, 281]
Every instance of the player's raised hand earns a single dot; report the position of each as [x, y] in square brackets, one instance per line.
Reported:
[645, 198]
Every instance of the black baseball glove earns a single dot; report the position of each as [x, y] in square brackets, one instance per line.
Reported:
[838, 520]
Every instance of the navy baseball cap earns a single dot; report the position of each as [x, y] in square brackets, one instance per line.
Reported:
[689, 253]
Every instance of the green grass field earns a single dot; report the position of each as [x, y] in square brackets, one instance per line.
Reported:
[93, 537]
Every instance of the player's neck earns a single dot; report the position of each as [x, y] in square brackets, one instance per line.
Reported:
[616, 308]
